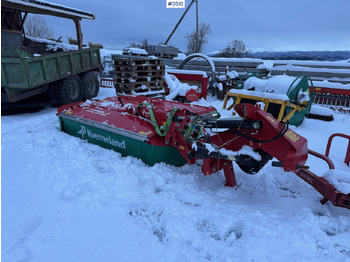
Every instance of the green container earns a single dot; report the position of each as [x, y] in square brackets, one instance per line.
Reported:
[120, 140]
[22, 71]
[303, 85]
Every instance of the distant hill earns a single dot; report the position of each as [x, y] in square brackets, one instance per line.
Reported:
[303, 55]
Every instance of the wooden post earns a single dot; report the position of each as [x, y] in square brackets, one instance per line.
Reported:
[79, 33]
[24, 19]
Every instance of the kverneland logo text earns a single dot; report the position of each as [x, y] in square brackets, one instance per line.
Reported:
[107, 139]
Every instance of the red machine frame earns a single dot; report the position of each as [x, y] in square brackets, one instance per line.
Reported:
[183, 127]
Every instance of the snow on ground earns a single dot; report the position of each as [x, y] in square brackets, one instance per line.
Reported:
[66, 200]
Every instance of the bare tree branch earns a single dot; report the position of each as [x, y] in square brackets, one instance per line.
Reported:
[203, 31]
[235, 48]
[36, 26]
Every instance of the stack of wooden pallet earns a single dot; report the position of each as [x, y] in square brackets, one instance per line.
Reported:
[162, 51]
[138, 74]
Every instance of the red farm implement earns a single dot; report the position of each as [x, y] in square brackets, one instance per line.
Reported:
[336, 97]
[107, 82]
[347, 154]
[156, 130]
[192, 77]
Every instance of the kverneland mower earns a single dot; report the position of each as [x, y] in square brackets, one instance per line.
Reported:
[156, 130]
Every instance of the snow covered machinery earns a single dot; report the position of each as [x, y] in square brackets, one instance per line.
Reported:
[292, 106]
[156, 130]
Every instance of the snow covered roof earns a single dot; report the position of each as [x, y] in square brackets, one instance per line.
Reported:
[47, 8]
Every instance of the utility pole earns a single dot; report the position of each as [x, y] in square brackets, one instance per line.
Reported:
[197, 33]
[178, 23]
[182, 17]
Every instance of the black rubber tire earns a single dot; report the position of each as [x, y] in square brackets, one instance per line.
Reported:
[91, 85]
[252, 166]
[68, 90]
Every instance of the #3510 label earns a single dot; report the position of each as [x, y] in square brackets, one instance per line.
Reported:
[175, 4]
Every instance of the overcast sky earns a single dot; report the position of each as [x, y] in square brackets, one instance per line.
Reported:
[261, 24]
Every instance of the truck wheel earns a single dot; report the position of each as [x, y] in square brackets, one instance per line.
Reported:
[68, 90]
[90, 85]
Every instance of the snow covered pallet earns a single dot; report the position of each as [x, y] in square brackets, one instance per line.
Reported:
[167, 52]
[139, 86]
[138, 74]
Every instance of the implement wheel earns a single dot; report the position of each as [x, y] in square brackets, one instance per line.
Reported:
[90, 85]
[251, 166]
[68, 90]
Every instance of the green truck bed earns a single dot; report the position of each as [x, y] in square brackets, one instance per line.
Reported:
[23, 74]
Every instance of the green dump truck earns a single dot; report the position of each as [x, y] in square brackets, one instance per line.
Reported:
[30, 66]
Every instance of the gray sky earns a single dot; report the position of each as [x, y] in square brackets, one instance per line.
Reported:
[261, 24]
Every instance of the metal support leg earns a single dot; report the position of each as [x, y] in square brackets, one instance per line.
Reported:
[229, 174]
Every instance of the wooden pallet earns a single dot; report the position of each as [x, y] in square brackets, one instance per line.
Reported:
[139, 86]
[140, 68]
[138, 61]
[139, 75]
[126, 80]
[165, 56]
[167, 52]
